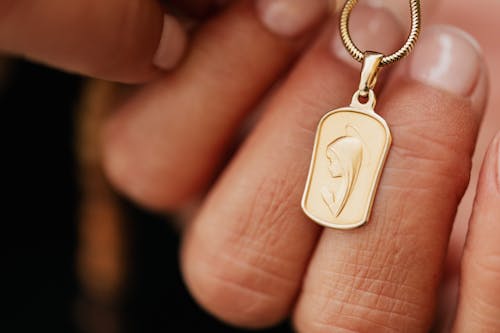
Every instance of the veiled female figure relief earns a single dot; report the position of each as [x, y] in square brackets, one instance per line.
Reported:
[345, 156]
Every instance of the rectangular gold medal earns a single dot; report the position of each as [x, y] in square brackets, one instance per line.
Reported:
[349, 153]
[352, 143]
[348, 158]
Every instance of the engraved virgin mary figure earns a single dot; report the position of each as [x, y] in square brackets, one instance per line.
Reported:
[345, 156]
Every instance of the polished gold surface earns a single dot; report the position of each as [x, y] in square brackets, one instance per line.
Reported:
[369, 72]
[349, 153]
[387, 60]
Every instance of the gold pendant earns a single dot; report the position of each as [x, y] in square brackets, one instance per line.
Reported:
[348, 158]
[352, 143]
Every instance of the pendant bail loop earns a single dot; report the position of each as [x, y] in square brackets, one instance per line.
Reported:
[369, 72]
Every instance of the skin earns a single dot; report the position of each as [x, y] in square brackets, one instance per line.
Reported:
[249, 256]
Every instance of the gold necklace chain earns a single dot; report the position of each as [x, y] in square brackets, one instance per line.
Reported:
[386, 60]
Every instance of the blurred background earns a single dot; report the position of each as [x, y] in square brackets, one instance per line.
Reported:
[78, 258]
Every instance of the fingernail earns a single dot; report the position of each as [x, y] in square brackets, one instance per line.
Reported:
[171, 46]
[371, 29]
[290, 18]
[448, 59]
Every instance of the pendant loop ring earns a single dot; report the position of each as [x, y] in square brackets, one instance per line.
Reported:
[368, 106]
[387, 60]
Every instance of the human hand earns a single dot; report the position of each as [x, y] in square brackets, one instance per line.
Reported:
[250, 256]
[127, 41]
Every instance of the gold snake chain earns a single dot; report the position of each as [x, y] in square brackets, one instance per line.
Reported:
[386, 60]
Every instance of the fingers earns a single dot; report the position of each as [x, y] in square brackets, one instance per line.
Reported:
[128, 41]
[165, 144]
[245, 254]
[479, 305]
[384, 276]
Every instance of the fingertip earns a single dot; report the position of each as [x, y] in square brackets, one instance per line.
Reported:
[172, 44]
[130, 167]
[449, 59]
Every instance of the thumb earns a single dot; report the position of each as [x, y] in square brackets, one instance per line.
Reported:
[128, 41]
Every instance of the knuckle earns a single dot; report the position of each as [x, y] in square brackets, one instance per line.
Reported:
[376, 313]
[432, 159]
[382, 314]
[376, 290]
[239, 292]
[250, 276]
[312, 108]
[137, 174]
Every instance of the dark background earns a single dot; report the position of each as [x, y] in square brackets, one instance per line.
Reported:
[41, 289]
